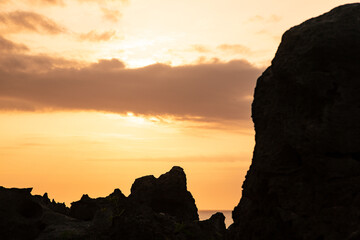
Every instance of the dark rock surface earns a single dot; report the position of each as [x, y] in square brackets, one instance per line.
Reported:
[158, 209]
[304, 180]
[86, 208]
[167, 194]
[20, 215]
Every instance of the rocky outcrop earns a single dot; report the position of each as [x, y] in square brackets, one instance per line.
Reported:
[167, 194]
[54, 206]
[86, 208]
[304, 180]
[157, 209]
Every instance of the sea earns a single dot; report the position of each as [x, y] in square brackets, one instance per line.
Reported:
[206, 214]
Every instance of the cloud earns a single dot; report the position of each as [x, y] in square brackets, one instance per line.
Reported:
[234, 48]
[200, 48]
[9, 46]
[4, 2]
[93, 36]
[47, 2]
[102, 1]
[27, 64]
[18, 21]
[205, 92]
[108, 65]
[111, 15]
[8, 104]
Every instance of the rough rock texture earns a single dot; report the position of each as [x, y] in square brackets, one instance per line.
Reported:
[167, 194]
[304, 181]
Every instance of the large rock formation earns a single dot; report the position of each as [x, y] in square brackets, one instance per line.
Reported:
[167, 194]
[304, 180]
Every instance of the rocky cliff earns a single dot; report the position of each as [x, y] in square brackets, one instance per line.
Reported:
[304, 180]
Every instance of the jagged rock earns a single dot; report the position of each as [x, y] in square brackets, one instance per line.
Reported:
[167, 194]
[304, 180]
[86, 208]
[55, 206]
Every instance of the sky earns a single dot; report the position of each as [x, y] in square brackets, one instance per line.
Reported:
[94, 93]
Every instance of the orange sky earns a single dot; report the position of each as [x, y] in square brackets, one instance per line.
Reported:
[94, 94]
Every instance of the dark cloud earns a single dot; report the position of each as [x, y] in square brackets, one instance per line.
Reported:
[111, 15]
[8, 104]
[206, 92]
[9, 46]
[93, 36]
[27, 64]
[18, 21]
[234, 48]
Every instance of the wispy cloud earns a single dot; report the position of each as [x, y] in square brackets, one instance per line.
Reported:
[9, 46]
[47, 2]
[19, 21]
[200, 48]
[111, 14]
[93, 36]
[234, 48]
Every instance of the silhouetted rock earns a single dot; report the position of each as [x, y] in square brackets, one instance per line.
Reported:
[20, 215]
[145, 224]
[55, 206]
[215, 226]
[86, 208]
[304, 181]
[167, 194]
[157, 209]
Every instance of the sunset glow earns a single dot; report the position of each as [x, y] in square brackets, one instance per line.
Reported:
[94, 94]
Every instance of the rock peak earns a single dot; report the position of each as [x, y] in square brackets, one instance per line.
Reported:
[167, 194]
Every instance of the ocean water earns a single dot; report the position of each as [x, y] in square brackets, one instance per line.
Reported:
[206, 214]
